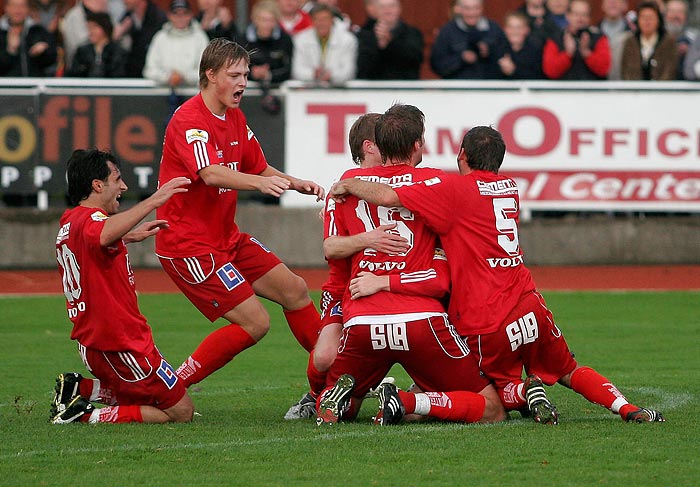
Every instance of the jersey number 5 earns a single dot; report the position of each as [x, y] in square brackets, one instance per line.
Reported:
[505, 210]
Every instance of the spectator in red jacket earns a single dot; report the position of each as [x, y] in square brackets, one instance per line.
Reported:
[580, 51]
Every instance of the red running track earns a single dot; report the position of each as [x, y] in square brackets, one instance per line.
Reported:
[672, 277]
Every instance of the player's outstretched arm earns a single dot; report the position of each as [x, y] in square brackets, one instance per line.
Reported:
[301, 185]
[375, 193]
[379, 239]
[118, 226]
[224, 177]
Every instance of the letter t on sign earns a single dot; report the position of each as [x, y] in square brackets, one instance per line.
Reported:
[336, 115]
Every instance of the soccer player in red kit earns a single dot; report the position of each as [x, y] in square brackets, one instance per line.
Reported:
[494, 301]
[412, 330]
[114, 339]
[219, 268]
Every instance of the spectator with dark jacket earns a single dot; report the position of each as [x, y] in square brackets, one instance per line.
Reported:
[99, 57]
[270, 47]
[139, 24]
[464, 48]
[650, 53]
[26, 48]
[542, 25]
[522, 53]
[390, 50]
[580, 51]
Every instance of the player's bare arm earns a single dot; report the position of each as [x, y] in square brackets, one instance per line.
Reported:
[118, 225]
[380, 239]
[225, 177]
[302, 186]
[375, 193]
[145, 230]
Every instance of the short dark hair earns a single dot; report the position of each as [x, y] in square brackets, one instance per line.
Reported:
[361, 130]
[103, 20]
[397, 130]
[484, 148]
[220, 52]
[83, 167]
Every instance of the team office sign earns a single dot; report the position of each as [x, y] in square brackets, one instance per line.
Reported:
[573, 149]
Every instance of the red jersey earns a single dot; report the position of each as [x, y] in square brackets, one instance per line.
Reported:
[99, 286]
[356, 216]
[476, 217]
[202, 219]
[338, 272]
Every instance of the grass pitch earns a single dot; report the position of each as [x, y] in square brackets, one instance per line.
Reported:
[646, 343]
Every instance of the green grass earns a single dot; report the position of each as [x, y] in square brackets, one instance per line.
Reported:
[646, 343]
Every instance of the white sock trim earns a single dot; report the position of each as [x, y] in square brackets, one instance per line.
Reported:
[617, 404]
[95, 394]
[422, 404]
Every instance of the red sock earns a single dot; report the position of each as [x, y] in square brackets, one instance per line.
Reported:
[408, 399]
[215, 351]
[597, 389]
[513, 396]
[459, 406]
[317, 379]
[115, 414]
[86, 389]
[305, 324]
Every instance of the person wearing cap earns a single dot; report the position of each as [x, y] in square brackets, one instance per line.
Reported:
[173, 56]
[99, 57]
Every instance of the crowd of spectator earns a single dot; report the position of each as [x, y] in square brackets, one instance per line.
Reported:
[314, 41]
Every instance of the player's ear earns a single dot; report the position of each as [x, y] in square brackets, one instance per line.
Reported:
[97, 185]
[211, 75]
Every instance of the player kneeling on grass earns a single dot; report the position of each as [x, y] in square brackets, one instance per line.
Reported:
[114, 340]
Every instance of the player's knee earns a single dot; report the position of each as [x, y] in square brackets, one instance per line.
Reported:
[324, 357]
[493, 412]
[258, 325]
[182, 412]
[295, 294]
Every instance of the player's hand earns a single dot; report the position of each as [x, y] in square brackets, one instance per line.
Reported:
[273, 185]
[145, 230]
[304, 186]
[165, 192]
[339, 191]
[366, 284]
[382, 239]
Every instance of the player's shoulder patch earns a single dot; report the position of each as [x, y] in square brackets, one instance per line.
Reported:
[432, 181]
[439, 254]
[196, 134]
[98, 216]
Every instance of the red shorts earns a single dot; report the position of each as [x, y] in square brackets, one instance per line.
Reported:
[331, 311]
[430, 350]
[530, 339]
[219, 281]
[133, 379]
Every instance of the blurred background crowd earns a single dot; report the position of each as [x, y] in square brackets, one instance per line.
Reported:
[316, 41]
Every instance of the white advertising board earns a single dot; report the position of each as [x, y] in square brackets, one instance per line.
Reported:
[582, 147]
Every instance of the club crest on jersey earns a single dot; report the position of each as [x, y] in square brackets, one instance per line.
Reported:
[439, 254]
[98, 216]
[196, 134]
